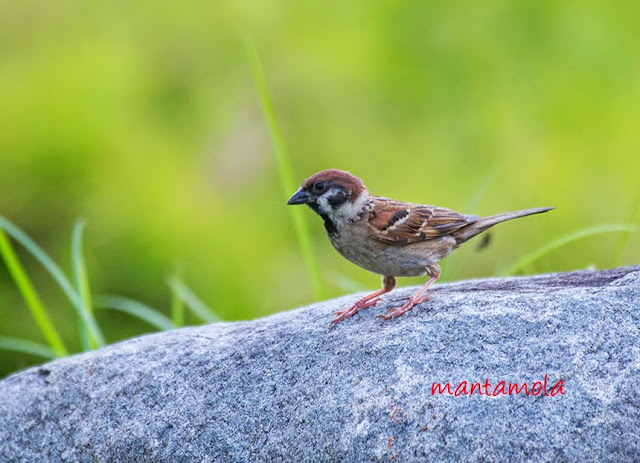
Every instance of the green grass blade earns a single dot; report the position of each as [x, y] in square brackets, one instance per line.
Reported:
[57, 274]
[193, 302]
[570, 238]
[135, 308]
[27, 347]
[85, 342]
[284, 170]
[624, 238]
[30, 296]
[177, 305]
[81, 283]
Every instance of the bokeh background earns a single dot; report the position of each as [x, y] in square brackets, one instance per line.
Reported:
[142, 118]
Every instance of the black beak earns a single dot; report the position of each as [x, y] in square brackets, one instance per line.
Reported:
[300, 197]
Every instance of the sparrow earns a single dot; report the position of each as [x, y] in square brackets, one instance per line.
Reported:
[389, 237]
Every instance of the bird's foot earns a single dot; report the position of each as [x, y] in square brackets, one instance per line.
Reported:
[397, 311]
[354, 309]
[424, 298]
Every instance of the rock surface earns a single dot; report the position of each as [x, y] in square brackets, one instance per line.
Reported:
[286, 388]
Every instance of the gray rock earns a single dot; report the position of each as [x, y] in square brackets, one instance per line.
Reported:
[286, 388]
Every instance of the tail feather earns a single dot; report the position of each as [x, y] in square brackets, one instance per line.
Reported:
[475, 228]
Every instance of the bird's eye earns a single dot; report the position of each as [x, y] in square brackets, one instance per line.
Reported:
[318, 187]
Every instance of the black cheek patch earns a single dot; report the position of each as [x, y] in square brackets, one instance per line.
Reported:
[338, 199]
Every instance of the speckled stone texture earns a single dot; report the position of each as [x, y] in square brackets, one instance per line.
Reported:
[287, 388]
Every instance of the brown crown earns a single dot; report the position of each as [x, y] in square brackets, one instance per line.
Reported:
[349, 182]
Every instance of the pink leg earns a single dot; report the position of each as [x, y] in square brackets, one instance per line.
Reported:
[388, 283]
[417, 298]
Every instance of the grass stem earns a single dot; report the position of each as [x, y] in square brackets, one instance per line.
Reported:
[284, 170]
[30, 296]
[564, 240]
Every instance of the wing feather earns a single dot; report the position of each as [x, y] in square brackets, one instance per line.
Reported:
[403, 223]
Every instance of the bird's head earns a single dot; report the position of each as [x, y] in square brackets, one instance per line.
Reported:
[333, 194]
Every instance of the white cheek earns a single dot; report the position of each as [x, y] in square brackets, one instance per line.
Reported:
[351, 211]
[347, 211]
[323, 202]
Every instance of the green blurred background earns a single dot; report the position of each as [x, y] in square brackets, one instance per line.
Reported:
[143, 119]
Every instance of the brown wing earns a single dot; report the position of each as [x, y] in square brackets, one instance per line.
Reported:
[403, 223]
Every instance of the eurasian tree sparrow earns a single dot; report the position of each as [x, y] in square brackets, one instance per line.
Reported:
[388, 237]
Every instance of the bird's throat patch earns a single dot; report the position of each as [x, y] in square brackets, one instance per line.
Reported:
[329, 225]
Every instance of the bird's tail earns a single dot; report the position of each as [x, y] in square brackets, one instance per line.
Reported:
[477, 227]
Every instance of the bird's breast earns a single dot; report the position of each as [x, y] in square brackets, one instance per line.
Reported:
[355, 245]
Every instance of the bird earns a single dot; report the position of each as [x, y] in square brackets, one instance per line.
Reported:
[388, 237]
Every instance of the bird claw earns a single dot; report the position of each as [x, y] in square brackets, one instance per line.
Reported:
[371, 303]
[397, 311]
[424, 298]
[354, 309]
